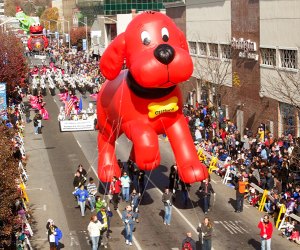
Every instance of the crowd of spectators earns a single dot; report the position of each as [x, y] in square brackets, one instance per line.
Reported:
[14, 124]
[259, 157]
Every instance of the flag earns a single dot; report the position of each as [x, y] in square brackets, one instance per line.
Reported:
[80, 105]
[69, 105]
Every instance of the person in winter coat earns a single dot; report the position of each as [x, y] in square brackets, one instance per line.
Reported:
[82, 195]
[54, 235]
[205, 233]
[167, 200]
[125, 182]
[99, 203]
[188, 243]
[206, 189]
[115, 189]
[134, 201]
[104, 216]
[94, 229]
[266, 230]
[128, 217]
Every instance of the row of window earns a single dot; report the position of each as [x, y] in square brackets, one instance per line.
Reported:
[283, 58]
[210, 49]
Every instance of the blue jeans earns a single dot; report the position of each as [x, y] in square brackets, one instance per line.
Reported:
[36, 130]
[95, 242]
[82, 207]
[239, 202]
[206, 201]
[168, 214]
[268, 206]
[128, 232]
[206, 245]
[265, 244]
[92, 202]
[125, 193]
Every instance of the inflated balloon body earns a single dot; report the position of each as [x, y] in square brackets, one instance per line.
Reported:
[25, 21]
[37, 41]
[144, 100]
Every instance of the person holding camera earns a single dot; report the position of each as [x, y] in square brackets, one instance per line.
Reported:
[167, 200]
[266, 230]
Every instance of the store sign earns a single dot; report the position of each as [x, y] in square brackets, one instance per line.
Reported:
[3, 106]
[248, 48]
[80, 125]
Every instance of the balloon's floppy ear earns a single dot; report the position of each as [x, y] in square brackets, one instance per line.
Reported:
[112, 60]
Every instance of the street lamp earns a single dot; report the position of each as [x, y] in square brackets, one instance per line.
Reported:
[63, 20]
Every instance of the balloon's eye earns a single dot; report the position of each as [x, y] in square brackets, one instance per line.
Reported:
[165, 34]
[146, 39]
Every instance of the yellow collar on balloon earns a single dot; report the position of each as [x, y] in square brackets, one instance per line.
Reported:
[158, 108]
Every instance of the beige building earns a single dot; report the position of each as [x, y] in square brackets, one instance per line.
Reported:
[246, 60]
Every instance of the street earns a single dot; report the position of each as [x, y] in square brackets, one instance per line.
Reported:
[66, 150]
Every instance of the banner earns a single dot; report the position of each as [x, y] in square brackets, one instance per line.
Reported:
[56, 35]
[80, 125]
[84, 44]
[3, 106]
[67, 38]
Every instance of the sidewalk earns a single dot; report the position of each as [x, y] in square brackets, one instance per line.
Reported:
[44, 200]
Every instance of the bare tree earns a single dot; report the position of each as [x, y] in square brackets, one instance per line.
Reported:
[214, 74]
[283, 86]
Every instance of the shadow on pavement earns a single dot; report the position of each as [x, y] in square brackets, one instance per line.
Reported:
[232, 202]
[254, 243]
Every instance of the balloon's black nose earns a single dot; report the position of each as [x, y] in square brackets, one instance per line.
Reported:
[164, 53]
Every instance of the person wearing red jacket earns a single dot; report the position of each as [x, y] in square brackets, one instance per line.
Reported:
[266, 230]
[115, 189]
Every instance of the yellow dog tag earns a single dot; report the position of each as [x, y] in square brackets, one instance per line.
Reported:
[157, 108]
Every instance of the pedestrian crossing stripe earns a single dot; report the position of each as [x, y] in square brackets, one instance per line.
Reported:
[233, 227]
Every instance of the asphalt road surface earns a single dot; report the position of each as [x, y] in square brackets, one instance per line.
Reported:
[65, 150]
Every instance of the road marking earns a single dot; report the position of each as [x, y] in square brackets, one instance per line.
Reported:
[78, 144]
[54, 100]
[73, 241]
[213, 181]
[234, 230]
[44, 207]
[226, 227]
[30, 189]
[246, 206]
[136, 243]
[232, 226]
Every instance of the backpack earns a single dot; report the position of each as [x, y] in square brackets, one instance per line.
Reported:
[187, 246]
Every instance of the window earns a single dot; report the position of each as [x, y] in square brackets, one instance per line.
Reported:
[226, 51]
[288, 58]
[193, 48]
[268, 57]
[213, 50]
[202, 49]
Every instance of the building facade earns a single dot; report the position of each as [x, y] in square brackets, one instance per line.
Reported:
[113, 7]
[246, 60]
[1, 8]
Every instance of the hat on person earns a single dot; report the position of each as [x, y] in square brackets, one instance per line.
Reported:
[50, 221]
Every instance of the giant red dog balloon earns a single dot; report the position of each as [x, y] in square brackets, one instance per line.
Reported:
[144, 100]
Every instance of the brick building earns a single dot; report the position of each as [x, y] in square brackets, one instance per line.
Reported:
[243, 51]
